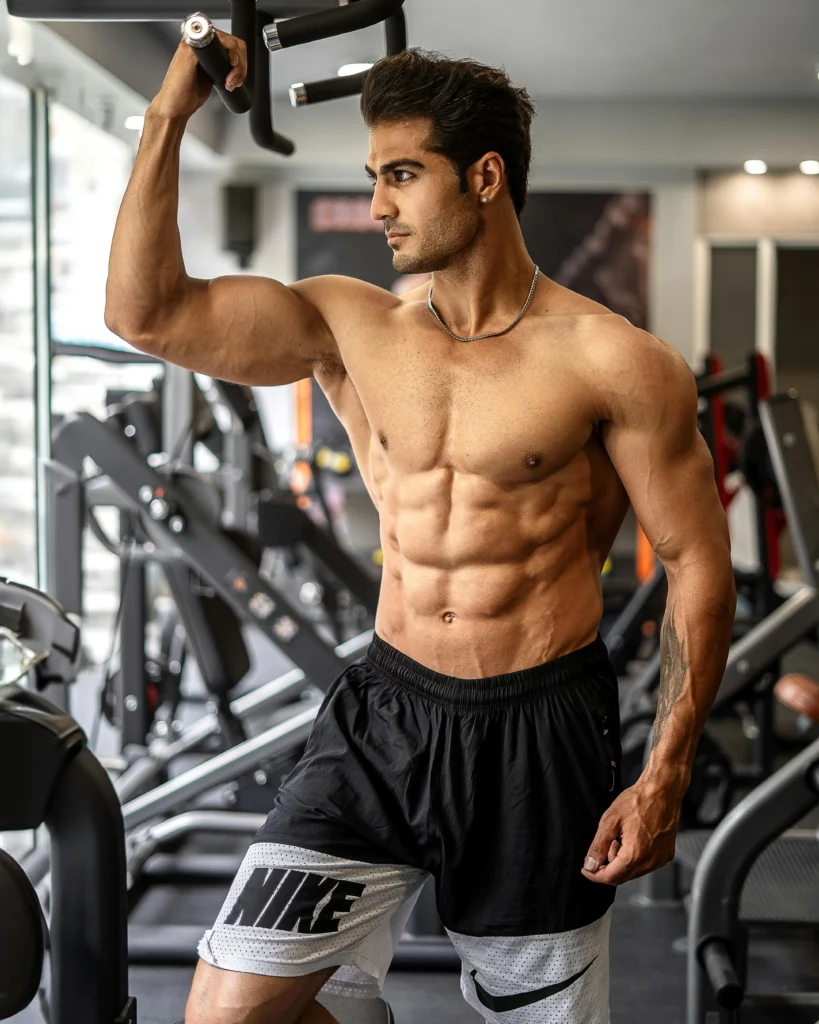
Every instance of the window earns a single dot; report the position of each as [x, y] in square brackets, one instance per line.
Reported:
[18, 532]
[89, 173]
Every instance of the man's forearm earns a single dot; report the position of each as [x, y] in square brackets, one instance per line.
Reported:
[146, 271]
[694, 643]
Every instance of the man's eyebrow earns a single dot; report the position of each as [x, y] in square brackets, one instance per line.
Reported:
[393, 165]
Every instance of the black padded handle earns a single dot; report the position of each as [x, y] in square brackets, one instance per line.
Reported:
[305, 93]
[718, 964]
[323, 24]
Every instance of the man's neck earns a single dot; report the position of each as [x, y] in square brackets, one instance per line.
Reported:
[484, 289]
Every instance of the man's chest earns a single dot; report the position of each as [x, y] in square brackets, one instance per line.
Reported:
[508, 410]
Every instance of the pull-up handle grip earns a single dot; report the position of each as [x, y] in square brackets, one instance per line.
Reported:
[254, 94]
[308, 28]
[199, 33]
[304, 93]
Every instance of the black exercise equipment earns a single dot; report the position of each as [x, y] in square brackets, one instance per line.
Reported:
[50, 777]
[753, 660]
[752, 872]
[47, 632]
[257, 26]
[22, 938]
[58, 783]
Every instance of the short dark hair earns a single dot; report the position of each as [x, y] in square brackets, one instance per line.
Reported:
[474, 110]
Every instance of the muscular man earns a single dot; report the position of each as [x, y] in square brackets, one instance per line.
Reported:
[501, 424]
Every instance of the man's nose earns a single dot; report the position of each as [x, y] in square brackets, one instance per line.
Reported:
[382, 206]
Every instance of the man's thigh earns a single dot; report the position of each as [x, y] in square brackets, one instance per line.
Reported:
[231, 997]
[292, 912]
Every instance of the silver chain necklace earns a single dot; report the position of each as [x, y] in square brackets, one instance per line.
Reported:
[494, 334]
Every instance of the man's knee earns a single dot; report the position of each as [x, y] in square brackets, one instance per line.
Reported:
[230, 997]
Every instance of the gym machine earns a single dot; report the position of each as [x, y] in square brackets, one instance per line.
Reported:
[303, 21]
[171, 517]
[752, 871]
[753, 660]
[59, 783]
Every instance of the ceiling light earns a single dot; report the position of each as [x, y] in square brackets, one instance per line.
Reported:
[353, 69]
[756, 167]
[135, 122]
[809, 167]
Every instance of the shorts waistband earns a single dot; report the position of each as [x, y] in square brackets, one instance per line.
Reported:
[512, 687]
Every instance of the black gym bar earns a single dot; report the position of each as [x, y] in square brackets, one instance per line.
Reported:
[309, 28]
[724, 381]
[152, 10]
[261, 113]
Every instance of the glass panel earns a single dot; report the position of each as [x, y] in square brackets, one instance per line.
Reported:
[18, 536]
[89, 172]
[733, 303]
[18, 532]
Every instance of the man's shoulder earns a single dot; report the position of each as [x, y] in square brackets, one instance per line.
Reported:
[614, 345]
[628, 367]
[336, 296]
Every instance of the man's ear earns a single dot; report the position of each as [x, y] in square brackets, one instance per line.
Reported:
[487, 176]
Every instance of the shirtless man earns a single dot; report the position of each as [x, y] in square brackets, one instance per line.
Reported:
[478, 739]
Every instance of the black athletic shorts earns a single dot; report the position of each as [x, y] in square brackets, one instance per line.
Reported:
[493, 787]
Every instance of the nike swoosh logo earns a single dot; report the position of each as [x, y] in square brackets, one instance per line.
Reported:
[501, 1004]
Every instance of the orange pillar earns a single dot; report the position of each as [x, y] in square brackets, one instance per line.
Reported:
[645, 556]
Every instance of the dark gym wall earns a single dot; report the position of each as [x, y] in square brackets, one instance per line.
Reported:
[733, 302]
[594, 243]
[797, 322]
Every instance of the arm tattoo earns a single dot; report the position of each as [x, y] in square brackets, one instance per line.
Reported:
[673, 667]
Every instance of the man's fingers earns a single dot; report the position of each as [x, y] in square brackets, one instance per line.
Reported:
[608, 833]
[613, 874]
[237, 54]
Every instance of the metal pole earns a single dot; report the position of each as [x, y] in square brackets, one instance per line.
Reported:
[222, 768]
[40, 198]
[178, 414]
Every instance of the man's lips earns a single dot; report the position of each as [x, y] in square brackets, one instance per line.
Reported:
[396, 234]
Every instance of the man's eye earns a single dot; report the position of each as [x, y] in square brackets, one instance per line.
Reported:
[408, 175]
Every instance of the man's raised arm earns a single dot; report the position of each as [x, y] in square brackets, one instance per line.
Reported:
[650, 433]
[247, 329]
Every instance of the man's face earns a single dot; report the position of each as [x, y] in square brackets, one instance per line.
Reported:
[417, 197]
